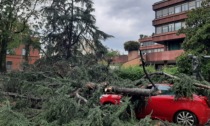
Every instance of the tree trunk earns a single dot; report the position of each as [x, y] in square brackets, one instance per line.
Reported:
[132, 91]
[27, 49]
[70, 34]
[3, 53]
[202, 86]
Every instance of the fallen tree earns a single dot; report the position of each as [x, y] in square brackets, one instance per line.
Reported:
[132, 91]
[16, 95]
[178, 78]
[74, 96]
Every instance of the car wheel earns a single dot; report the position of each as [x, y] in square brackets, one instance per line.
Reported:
[186, 118]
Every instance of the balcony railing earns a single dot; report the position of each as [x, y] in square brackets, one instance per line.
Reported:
[161, 57]
[167, 36]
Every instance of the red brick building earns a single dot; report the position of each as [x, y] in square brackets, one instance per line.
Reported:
[14, 61]
[132, 59]
[165, 45]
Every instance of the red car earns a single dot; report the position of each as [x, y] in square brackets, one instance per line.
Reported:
[188, 112]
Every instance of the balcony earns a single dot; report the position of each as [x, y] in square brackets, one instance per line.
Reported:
[152, 47]
[170, 18]
[166, 3]
[162, 57]
[167, 36]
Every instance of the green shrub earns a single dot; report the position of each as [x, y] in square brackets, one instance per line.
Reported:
[184, 64]
[170, 70]
[134, 72]
[131, 46]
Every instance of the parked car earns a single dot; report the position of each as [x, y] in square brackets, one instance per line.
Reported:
[185, 111]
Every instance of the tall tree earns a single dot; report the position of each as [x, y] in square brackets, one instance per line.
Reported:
[197, 30]
[197, 42]
[71, 25]
[14, 15]
[30, 39]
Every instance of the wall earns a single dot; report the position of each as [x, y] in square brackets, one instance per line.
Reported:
[17, 59]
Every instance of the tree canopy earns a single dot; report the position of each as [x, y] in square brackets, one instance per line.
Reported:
[14, 16]
[70, 25]
[197, 30]
[197, 40]
[131, 45]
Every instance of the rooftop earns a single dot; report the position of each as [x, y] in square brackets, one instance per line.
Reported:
[160, 2]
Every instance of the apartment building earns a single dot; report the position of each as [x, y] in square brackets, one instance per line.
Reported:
[165, 45]
[15, 59]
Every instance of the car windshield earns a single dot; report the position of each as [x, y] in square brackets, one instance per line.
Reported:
[165, 89]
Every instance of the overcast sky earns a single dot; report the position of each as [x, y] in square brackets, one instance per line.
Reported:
[124, 19]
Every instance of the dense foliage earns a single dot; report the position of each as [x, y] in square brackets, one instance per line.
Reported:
[173, 70]
[42, 95]
[196, 41]
[133, 72]
[70, 28]
[184, 64]
[131, 45]
[112, 53]
[197, 30]
[14, 16]
[64, 27]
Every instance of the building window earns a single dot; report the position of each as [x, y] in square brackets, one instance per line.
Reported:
[165, 28]
[165, 12]
[191, 5]
[10, 52]
[9, 65]
[171, 27]
[158, 30]
[23, 52]
[141, 44]
[183, 24]
[171, 10]
[161, 50]
[178, 9]
[143, 52]
[178, 26]
[198, 3]
[148, 43]
[159, 14]
[152, 50]
[185, 7]
[155, 50]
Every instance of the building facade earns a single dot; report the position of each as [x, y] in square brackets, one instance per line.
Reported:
[170, 16]
[15, 60]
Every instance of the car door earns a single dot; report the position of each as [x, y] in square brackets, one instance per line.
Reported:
[160, 106]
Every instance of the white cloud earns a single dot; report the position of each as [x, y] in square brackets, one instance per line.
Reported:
[124, 19]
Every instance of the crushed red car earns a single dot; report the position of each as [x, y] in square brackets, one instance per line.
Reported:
[184, 111]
